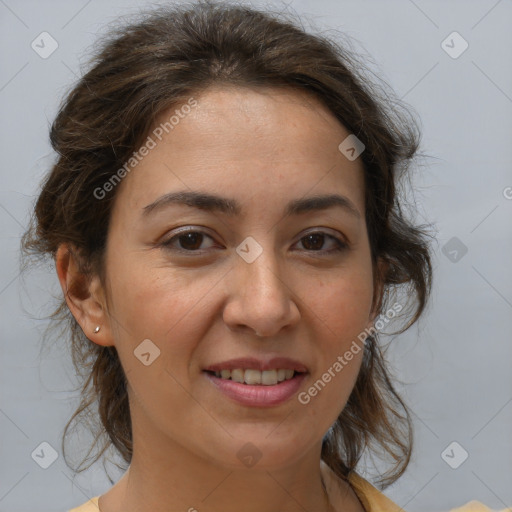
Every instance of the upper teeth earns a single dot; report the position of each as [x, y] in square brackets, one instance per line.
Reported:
[267, 377]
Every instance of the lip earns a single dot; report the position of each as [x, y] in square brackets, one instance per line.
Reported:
[258, 396]
[251, 363]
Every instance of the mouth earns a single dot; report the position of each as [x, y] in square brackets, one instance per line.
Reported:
[257, 383]
[253, 377]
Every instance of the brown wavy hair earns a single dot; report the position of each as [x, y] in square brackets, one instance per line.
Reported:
[141, 68]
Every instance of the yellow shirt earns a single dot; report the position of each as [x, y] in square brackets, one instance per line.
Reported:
[374, 501]
[371, 498]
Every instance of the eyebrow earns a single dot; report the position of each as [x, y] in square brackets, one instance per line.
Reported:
[231, 207]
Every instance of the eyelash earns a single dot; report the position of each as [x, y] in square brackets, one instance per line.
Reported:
[167, 244]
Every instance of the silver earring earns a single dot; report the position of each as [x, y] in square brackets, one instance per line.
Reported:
[97, 329]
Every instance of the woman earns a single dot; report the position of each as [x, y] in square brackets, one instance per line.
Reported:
[226, 231]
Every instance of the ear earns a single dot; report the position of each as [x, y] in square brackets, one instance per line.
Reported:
[378, 289]
[85, 297]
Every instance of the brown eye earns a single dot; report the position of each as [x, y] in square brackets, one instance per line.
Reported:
[186, 241]
[313, 242]
[190, 241]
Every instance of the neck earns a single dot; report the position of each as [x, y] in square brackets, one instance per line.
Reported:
[159, 481]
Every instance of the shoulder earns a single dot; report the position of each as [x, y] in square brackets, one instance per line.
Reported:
[371, 498]
[89, 506]
[374, 500]
[476, 506]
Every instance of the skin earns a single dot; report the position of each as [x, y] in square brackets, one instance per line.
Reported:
[262, 147]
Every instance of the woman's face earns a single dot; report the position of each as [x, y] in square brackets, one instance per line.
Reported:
[302, 281]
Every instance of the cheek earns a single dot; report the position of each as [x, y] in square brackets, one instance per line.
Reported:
[342, 305]
[340, 312]
[160, 305]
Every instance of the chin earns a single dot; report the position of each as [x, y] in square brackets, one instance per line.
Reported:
[260, 452]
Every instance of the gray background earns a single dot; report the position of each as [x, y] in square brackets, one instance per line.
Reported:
[455, 366]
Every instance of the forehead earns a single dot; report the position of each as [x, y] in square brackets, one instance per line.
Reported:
[278, 121]
[244, 141]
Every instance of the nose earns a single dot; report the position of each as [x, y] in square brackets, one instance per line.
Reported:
[261, 299]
